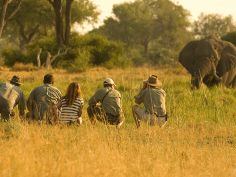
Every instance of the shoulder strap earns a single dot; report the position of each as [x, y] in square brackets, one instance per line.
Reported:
[105, 95]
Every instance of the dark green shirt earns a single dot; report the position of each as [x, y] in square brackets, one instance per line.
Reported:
[153, 100]
[111, 102]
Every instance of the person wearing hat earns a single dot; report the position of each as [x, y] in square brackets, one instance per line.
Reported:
[10, 96]
[43, 100]
[105, 105]
[153, 98]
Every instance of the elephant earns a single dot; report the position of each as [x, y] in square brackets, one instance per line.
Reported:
[211, 61]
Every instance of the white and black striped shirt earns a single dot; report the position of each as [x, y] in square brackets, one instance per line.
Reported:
[71, 113]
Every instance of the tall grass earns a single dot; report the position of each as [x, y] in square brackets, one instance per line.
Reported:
[199, 139]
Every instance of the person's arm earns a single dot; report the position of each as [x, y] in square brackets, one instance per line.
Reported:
[97, 97]
[139, 98]
[59, 96]
[21, 105]
[59, 104]
[161, 109]
[30, 104]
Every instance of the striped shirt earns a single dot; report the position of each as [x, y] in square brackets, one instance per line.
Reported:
[71, 113]
[41, 99]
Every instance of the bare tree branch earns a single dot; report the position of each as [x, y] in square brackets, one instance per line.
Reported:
[3, 15]
[59, 54]
[15, 11]
[50, 1]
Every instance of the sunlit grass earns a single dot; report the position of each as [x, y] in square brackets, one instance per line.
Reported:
[199, 139]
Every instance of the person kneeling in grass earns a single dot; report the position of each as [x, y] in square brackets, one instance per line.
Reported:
[71, 105]
[153, 98]
[105, 105]
[43, 100]
[10, 96]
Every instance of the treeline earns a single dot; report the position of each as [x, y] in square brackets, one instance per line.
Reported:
[43, 32]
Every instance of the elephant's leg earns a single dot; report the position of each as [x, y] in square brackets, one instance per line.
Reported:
[234, 83]
[208, 80]
[230, 78]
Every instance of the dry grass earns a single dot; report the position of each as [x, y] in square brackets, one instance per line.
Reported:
[199, 139]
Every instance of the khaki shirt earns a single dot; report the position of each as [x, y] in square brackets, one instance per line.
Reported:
[111, 103]
[153, 100]
[11, 96]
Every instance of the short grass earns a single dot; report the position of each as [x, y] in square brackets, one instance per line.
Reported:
[199, 139]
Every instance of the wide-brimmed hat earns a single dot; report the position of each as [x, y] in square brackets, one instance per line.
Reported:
[153, 81]
[15, 80]
[109, 81]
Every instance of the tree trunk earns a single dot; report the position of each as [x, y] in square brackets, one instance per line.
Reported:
[68, 21]
[38, 58]
[57, 5]
[145, 46]
[26, 37]
[3, 15]
[48, 61]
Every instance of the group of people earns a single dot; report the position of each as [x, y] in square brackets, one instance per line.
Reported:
[46, 103]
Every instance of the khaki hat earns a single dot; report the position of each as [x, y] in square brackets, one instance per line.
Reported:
[15, 80]
[109, 81]
[153, 81]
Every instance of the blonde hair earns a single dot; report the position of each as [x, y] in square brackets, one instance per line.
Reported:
[73, 91]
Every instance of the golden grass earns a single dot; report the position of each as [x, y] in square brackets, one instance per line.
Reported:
[199, 139]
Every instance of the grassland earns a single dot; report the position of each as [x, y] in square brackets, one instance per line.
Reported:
[199, 139]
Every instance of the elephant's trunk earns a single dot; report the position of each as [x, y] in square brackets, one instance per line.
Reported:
[216, 77]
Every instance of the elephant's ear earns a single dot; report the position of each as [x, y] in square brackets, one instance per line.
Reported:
[186, 56]
[226, 63]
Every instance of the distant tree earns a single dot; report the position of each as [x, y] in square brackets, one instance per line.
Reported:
[213, 24]
[8, 9]
[144, 21]
[33, 19]
[68, 12]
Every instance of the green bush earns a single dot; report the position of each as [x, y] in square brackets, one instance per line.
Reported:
[12, 56]
[82, 61]
[162, 56]
[83, 52]
[97, 50]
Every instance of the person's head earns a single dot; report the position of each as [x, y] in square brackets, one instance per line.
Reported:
[153, 81]
[108, 82]
[73, 91]
[15, 80]
[48, 79]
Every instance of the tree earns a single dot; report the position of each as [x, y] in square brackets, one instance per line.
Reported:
[7, 12]
[33, 19]
[213, 24]
[144, 21]
[66, 14]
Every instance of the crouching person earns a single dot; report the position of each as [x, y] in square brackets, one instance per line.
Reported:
[71, 105]
[105, 105]
[153, 98]
[43, 100]
[11, 96]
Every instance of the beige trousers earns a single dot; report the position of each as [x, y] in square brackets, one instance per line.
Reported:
[150, 119]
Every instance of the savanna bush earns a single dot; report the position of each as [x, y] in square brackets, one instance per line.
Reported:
[11, 56]
[94, 50]
[23, 67]
[83, 52]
